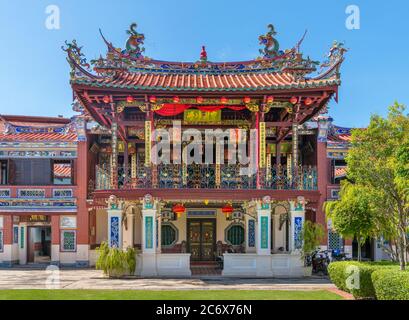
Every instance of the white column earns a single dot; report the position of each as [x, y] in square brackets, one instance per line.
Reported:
[250, 235]
[263, 233]
[115, 228]
[159, 236]
[297, 224]
[128, 231]
[22, 243]
[149, 250]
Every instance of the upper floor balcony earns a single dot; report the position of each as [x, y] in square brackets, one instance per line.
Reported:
[206, 176]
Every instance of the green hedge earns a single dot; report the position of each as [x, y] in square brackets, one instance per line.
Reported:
[338, 275]
[391, 284]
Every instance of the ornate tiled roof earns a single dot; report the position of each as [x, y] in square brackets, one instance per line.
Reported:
[275, 69]
[43, 130]
[339, 134]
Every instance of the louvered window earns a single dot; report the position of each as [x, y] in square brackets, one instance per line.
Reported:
[30, 171]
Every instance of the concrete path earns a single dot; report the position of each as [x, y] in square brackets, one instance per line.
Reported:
[24, 278]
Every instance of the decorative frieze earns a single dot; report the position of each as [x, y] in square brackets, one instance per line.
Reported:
[31, 193]
[6, 154]
[45, 204]
[5, 193]
[63, 193]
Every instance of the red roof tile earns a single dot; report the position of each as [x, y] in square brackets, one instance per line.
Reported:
[198, 81]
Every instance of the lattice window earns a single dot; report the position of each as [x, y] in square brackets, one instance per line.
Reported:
[235, 234]
[68, 240]
[168, 234]
[335, 241]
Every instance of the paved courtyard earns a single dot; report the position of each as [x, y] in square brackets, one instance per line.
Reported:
[23, 278]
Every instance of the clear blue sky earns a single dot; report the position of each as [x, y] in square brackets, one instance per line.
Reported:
[34, 76]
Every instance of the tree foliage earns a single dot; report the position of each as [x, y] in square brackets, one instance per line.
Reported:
[378, 168]
[353, 215]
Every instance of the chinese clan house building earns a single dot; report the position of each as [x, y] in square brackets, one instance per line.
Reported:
[200, 163]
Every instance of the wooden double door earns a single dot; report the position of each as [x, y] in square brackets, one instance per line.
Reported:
[201, 239]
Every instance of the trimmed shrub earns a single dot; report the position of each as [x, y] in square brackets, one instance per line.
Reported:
[391, 284]
[338, 272]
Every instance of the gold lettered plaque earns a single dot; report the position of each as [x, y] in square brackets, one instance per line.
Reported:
[197, 116]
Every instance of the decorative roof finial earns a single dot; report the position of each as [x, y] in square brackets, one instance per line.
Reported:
[203, 55]
[134, 44]
[271, 45]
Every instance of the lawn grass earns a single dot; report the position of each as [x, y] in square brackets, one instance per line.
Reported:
[38, 294]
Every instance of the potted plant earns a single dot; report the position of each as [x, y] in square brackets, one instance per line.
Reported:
[114, 262]
[312, 234]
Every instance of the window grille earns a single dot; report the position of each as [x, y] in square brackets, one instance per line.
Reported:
[68, 240]
[235, 234]
[335, 241]
[168, 235]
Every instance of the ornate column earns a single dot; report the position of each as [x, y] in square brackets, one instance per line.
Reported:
[262, 153]
[263, 243]
[294, 165]
[297, 212]
[133, 170]
[114, 223]
[22, 243]
[114, 155]
[126, 165]
[149, 237]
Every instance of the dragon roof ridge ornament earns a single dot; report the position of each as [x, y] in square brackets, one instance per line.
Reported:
[271, 44]
[134, 44]
[132, 59]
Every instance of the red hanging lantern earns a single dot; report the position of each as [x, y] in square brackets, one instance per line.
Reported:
[129, 99]
[106, 99]
[293, 100]
[179, 209]
[199, 99]
[227, 209]
[270, 99]
[152, 99]
[223, 100]
[247, 99]
[308, 101]
[176, 99]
